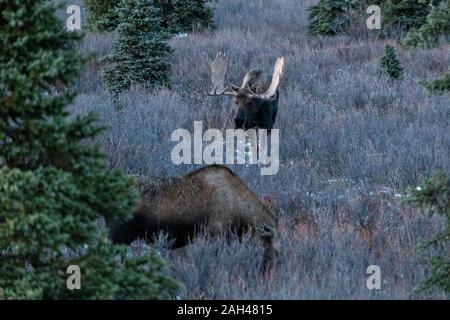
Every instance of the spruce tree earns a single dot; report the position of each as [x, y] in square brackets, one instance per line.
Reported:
[328, 17]
[389, 63]
[185, 15]
[53, 187]
[434, 197]
[102, 15]
[429, 35]
[140, 52]
[176, 15]
[404, 15]
[331, 17]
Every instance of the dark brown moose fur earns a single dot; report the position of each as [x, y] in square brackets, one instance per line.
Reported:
[254, 112]
[212, 199]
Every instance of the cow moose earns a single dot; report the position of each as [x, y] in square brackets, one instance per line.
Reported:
[256, 99]
[212, 199]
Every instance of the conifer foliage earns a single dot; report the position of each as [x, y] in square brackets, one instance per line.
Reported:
[434, 197]
[390, 64]
[102, 15]
[176, 15]
[404, 15]
[329, 17]
[430, 34]
[140, 52]
[185, 15]
[53, 187]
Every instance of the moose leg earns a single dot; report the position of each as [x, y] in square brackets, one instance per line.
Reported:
[269, 255]
[274, 117]
[271, 244]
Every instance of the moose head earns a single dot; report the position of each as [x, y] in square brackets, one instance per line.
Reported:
[256, 99]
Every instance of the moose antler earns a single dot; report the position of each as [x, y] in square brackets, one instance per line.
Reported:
[218, 71]
[270, 94]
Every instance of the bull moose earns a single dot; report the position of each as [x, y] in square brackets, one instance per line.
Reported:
[212, 199]
[257, 97]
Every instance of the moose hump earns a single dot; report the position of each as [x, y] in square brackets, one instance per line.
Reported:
[212, 199]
